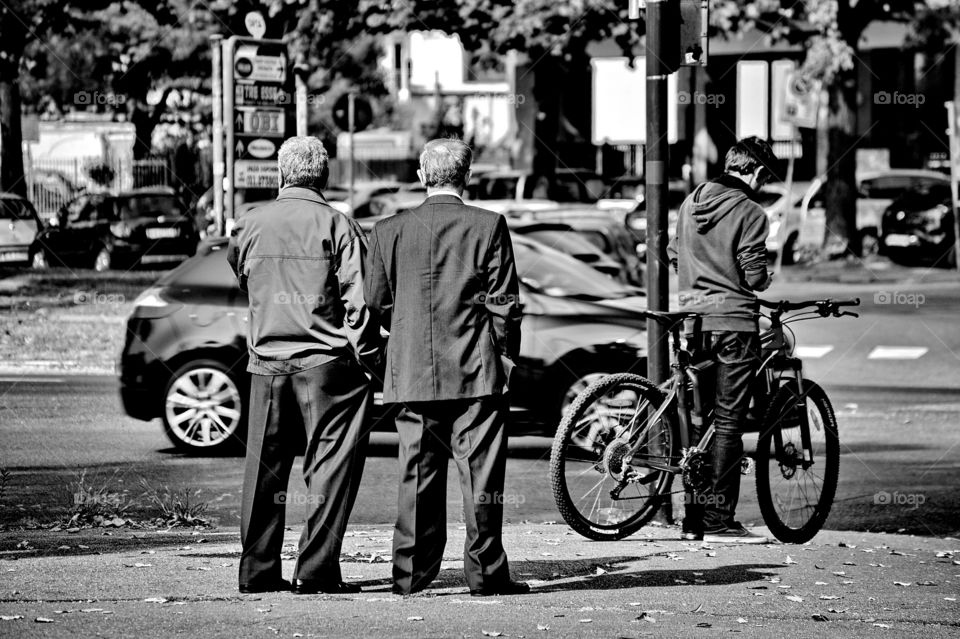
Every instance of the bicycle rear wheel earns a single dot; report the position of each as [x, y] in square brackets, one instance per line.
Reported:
[602, 491]
[795, 495]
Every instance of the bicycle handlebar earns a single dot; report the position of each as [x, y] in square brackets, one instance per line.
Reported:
[824, 307]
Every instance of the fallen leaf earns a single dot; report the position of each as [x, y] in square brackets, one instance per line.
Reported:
[586, 621]
[881, 625]
[837, 610]
[645, 617]
[795, 598]
[828, 597]
[789, 560]
[901, 583]
[541, 626]
[819, 617]
[600, 571]
[741, 620]
[414, 618]
[155, 600]
[704, 624]
[11, 617]
[820, 583]
[43, 620]
[491, 633]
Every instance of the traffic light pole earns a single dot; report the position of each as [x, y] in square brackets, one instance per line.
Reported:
[655, 196]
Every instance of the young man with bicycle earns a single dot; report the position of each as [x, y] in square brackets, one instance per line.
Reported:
[719, 253]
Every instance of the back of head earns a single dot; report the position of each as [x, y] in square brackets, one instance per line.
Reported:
[303, 162]
[445, 163]
[747, 155]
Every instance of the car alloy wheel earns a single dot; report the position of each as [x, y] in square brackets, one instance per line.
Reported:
[202, 408]
[103, 261]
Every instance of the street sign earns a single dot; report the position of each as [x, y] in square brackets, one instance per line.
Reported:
[801, 101]
[362, 112]
[256, 63]
[261, 95]
[265, 122]
[694, 22]
[256, 174]
[247, 148]
[255, 24]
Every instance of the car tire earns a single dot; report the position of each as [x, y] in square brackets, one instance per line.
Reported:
[204, 410]
[103, 260]
[791, 253]
[39, 260]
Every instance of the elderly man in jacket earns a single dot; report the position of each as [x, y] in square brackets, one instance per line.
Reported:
[311, 342]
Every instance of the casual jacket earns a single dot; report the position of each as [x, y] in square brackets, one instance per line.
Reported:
[719, 251]
[302, 264]
[443, 278]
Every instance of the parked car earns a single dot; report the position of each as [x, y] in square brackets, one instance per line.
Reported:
[393, 203]
[19, 225]
[569, 186]
[918, 228]
[111, 230]
[185, 354]
[569, 241]
[802, 224]
[364, 193]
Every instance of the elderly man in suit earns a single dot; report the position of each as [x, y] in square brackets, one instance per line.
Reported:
[443, 279]
[311, 341]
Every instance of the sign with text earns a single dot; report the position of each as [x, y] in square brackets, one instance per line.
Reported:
[256, 174]
[265, 122]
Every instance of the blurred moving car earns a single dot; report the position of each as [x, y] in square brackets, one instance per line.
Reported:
[203, 209]
[185, 354]
[364, 193]
[569, 186]
[918, 228]
[393, 203]
[606, 229]
[568, 241]
[800, 225]
[111, 230]
[19, 225]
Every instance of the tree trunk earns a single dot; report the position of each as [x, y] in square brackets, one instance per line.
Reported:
[842, 237]
[11, 137]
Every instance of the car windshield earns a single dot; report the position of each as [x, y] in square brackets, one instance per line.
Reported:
[550, 272]
[11, 209]
[135, 206]
[568, 242]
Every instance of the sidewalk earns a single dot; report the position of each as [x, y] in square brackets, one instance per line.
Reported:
[148, 584]
[872, 270]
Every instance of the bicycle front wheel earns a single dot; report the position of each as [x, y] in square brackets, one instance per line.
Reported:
[796, 490]
[607, 458]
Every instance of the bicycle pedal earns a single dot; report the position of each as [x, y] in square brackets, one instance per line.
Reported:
[747, 466]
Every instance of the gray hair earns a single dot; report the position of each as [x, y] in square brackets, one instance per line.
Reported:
[303, 162]
[445, 162]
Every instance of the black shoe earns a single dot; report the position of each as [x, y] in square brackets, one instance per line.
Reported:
[313, 587]
[733, 534]
[689, 535]
[278, 585]
[509, 588]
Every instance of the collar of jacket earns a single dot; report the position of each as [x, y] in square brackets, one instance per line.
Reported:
[301, 193]
[443, 198]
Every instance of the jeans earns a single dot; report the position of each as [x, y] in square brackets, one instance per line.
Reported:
[738, 359]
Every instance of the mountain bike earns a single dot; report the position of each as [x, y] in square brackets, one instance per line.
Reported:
[623, 439]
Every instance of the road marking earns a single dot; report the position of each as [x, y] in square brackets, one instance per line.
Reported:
[812, 352]
[898, 352]
[31, 380]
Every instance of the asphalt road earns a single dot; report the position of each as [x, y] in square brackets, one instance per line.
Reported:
[898, 468]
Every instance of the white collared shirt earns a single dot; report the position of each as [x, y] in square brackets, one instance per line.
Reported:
[447, 192]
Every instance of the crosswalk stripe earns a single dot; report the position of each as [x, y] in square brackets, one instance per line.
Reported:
[898, 352]
[812, 352]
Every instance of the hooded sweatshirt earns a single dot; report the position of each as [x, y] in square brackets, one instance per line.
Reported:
[719, 253]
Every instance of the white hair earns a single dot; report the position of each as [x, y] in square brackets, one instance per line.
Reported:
[303, 162]
[445, 162]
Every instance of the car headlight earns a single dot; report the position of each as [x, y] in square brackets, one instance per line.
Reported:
[151, 298]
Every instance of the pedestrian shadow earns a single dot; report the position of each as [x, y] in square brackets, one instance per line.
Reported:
[617, 573]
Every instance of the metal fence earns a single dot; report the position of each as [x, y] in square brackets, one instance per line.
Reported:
[52, 182]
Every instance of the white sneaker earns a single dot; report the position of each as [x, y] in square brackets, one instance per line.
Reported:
[734, 535]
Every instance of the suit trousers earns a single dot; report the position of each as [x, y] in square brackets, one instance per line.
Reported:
[473, 430]
[327, 407]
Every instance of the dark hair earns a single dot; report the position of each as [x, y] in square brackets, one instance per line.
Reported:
[749, 153]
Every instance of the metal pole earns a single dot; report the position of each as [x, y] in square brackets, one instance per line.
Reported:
[216, 50]
[656, 158]
[228, 99]
[301, 98]
[953, 119]
[350, 126]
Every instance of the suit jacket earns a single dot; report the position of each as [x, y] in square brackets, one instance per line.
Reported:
[443, 280]
[302, 262]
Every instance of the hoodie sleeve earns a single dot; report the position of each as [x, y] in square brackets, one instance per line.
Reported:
[752, 252]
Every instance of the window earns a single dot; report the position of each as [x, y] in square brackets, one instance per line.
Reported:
[11, 209]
